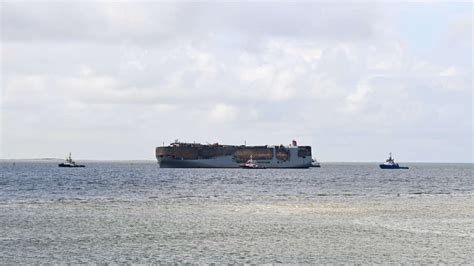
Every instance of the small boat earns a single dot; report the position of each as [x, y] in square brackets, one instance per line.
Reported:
[391, 164]
[70, 163]
[315, 163]
[252, 164]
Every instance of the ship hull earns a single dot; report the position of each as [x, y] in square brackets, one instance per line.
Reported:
[224, 163]
[220, 162]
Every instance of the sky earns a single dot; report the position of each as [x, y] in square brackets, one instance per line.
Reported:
[354, 80]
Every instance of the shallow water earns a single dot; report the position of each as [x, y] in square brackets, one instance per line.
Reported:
[135, 212]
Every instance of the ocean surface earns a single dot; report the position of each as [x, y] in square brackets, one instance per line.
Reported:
[135, 212]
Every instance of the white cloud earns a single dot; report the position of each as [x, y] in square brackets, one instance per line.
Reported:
[309, 52]
[357, 98]
[385, 56]
[449, 72]
[223, 113]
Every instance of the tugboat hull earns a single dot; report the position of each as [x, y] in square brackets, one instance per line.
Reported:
[383, 166]
[252, 167]
[68, 165]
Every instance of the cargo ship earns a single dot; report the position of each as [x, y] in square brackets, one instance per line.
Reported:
[196, 155]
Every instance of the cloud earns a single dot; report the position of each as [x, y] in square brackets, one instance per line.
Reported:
[223, 113]
[359, 96]
[137, 74]
[87, 21]
[449, 72]
[157, 22]
[458, 32]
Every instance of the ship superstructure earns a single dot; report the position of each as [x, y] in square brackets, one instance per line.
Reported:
[195, 155]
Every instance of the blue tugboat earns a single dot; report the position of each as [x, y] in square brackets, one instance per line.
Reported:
[391, 164]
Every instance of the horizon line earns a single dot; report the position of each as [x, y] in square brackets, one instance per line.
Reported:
[154, 160]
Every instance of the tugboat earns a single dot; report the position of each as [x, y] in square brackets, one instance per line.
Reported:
[315, 163]
[391, 164]
[251, 164]
[70, 163]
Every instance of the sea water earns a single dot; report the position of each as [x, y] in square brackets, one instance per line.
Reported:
[135, 212]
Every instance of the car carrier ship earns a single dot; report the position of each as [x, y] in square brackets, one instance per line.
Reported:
[195, 155]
